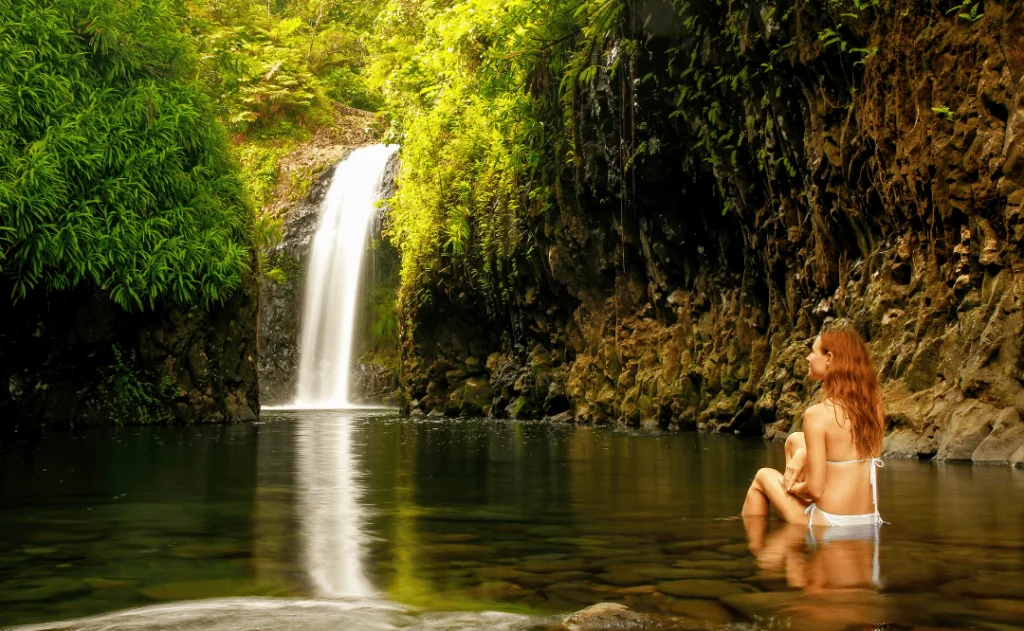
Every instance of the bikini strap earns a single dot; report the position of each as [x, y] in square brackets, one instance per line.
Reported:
[876, 463]
[810, 519]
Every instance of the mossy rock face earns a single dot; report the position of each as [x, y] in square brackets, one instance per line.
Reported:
[187, 364]
[476, 395]
[652, 316]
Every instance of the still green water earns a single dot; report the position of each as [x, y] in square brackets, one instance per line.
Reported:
[311, 520]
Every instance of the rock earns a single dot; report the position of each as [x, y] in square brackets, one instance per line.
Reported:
[708, 555]
[209, 550]
[191, 590]
[526, 579]
[192, 363]
[564, 565]
[106, 583]
[564, 417]
[732, 565]
[760, 605]
[1012, 607]
[453, 550]
[638, 590]
[502, 572]
[969, 426]
[496, 591]
[576, 592]
[708, 610]
[1008, 588]
[43, 590]
[474, 366]
[623, 579]
[697, 544]
[477, 395]
[606, 616]
[735, 549]
[1006, 438]
[703, 588]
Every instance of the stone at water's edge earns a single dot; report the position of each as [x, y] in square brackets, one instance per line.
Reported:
[663, 311]
[618, 617]
[57, 353]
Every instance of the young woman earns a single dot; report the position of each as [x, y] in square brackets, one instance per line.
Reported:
[830, 466]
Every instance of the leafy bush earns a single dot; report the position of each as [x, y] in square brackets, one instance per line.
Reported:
[476, 155]
[113, 169]
[133, 397]
[265, 64]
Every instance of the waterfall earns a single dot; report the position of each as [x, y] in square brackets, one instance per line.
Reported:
[332, 281]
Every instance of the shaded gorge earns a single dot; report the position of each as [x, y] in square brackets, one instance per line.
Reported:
[371, 520]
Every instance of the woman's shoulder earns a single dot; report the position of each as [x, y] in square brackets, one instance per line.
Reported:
[817, 414]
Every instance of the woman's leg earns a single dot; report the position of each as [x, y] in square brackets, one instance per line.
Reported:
[766, 490]
[757, 528]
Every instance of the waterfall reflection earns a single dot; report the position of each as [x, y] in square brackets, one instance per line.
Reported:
[330, 513]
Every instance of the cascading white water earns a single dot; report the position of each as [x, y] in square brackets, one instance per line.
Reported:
[332, 281]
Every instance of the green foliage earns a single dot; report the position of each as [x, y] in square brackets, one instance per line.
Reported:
[112, 169]
[477, 147]
[265, 64]
[968, 10]
[133, 397]
[268, 233]
[485, 98]
[944, 112]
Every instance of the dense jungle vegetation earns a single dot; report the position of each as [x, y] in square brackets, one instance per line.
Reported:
[138, 138]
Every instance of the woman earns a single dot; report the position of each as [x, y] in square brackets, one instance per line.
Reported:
[830, 466]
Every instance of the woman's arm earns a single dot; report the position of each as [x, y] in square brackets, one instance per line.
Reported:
[814, 434]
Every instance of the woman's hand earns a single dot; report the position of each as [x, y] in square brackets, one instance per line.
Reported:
[795, 470]
[799, 490]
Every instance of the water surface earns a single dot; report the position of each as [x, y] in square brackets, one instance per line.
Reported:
[369, 520]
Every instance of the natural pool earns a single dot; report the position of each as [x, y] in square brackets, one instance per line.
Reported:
[366, 520]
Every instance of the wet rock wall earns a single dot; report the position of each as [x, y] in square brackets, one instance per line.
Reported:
[679, 286]
[60, 367]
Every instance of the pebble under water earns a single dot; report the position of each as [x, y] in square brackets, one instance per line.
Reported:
[368, 520]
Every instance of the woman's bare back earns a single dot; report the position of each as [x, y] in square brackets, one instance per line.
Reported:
[847, 473]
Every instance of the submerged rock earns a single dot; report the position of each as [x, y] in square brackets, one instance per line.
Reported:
[703, 588]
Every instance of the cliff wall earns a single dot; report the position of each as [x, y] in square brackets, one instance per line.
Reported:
[76, 358]
[866, 168]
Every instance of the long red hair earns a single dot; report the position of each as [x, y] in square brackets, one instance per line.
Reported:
[851, 382]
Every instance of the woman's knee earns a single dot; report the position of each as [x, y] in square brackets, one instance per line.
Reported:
[765, 476]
